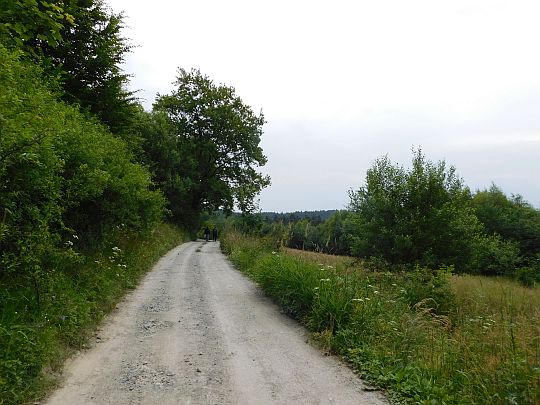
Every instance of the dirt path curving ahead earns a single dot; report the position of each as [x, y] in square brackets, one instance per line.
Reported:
[196, 331]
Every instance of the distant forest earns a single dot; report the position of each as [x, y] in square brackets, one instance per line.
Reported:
[422, 216]
[316, 217]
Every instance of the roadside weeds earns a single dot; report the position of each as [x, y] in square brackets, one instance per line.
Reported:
[424, 336]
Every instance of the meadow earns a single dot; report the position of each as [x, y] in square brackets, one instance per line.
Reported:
[424, 336]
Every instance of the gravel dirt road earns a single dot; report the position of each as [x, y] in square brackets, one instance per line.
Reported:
[196, 331]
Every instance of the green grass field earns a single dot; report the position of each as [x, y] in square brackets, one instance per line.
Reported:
[423, 336]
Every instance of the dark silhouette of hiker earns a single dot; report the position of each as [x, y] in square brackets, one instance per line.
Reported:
[214, 234]
[206, 233]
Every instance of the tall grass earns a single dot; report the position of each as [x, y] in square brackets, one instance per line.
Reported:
[424, 336]
[35, 341]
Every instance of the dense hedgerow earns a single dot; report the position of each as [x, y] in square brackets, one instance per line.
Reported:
[65, 180]
[426, 336]
[68, 190]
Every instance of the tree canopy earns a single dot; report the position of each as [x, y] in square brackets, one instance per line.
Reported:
[511, 218]
[210, 151]
[62, 174]
[421, 215]
[29, 24]
[80, 44]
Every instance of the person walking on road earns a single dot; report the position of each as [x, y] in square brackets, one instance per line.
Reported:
[214, 234]
[206, 233]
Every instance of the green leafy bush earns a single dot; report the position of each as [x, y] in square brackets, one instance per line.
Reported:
[494, 256]
[67, 188]
[530, 275]
[65, 179]
[427, 288]
[420, 215]
[511, 218]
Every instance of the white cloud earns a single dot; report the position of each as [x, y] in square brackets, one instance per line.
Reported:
[344, 82]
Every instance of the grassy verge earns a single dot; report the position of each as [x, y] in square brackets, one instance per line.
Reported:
[424, 336]
[36, 339]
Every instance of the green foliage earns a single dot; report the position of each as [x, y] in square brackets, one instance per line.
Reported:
[213, 152]
[529, 274]
[67, 185]
[513, 219]
[79, 43]
[416, 216]
[89, 58]
[426, 288]
[305, 235]
[423, 216]
[171, 167]
[336, 232]
[494, 255]
[315, 217]
[27, 23]
[308, 233]
[74, 300]
[425, 336]
[65, 179]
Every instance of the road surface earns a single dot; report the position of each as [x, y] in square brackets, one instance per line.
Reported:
[196, 331]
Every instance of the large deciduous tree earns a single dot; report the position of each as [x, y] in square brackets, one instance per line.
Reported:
[215, 137]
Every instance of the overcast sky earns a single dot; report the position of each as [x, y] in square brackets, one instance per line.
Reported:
[342, 83]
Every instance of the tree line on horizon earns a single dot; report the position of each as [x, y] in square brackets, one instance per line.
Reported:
[424, 216]
[315, 217]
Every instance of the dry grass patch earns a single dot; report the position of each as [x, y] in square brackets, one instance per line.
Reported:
[321, 258]
[502, 316]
